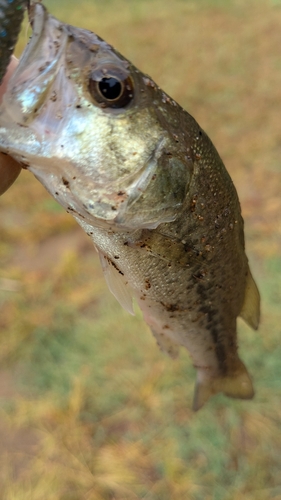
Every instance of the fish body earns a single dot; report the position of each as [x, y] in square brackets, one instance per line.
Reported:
[146, 183]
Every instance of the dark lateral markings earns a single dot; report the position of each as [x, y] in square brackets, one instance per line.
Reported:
[213, 327]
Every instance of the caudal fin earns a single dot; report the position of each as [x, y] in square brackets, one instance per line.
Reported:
[238, 385]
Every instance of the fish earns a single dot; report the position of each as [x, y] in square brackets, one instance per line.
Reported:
[11, 17]
[145, 182]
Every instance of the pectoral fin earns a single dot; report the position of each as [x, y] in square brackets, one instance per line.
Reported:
[116, 284]
[250, 311]
[238, 385]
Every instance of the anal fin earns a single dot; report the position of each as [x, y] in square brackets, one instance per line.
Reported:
[166, 344]
[250, 311]
[237, 385]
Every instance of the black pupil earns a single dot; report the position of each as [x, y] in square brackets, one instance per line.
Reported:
[110, 88]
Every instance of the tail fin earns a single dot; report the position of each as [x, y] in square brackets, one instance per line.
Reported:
[238, 385]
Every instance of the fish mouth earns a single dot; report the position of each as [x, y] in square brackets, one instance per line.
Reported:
[38, 15]
[38, 66]
[35, 10]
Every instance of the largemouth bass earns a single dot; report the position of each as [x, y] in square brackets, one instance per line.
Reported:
[146, 184]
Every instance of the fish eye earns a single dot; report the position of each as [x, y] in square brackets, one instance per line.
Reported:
[111, 89]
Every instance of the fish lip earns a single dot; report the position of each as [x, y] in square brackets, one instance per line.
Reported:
[38, 16]
[29, 86]
[42, 24]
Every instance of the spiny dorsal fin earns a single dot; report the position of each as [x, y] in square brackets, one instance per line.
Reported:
[238, 385]
[250, 311]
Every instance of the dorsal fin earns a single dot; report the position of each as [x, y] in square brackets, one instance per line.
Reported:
[250, 311]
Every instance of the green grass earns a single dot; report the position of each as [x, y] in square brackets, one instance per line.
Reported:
[89, 408]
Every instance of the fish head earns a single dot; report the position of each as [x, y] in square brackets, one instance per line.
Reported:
[94, 130]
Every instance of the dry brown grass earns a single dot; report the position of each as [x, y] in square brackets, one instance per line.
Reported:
[89, 409]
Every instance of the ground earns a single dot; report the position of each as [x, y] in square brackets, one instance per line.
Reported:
[90, 409]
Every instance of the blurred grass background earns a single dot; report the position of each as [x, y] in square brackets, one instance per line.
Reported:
[89, 408]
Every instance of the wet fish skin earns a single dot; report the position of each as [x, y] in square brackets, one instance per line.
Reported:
[147, 184]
